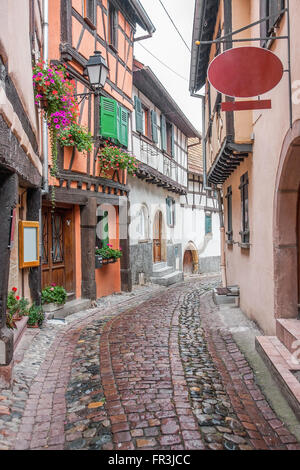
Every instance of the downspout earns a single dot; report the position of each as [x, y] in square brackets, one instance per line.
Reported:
[45, 188]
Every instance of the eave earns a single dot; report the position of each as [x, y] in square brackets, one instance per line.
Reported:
[205, 17]
[152, 176]
[229, 158]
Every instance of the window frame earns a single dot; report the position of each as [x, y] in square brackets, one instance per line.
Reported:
[86, 14]
[245, 225]
[170, 208]
[113, 26]
[208, 215]
[268, 26]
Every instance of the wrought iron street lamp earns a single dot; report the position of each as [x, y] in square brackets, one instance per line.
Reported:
[97, 71]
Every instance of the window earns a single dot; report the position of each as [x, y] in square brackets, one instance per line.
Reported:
[142, 224]
[102, 234]
[146, 127]
[245, 232]
[229, 232]
[170, 211]
[113, 121]
[89, 11]
[208, 223]
[268, 8]
[112, 26]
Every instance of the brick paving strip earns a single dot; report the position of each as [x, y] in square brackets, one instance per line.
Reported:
[164, 393]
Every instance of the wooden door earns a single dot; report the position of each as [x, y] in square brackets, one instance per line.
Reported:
[298, 243]
[157, 237]
[57, 248]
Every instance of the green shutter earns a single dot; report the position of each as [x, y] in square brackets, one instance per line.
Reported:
[172, 141]
[108, 117]
[207, 223]
[123, 133]
[163, 130]
[154, 126]
[138, 115]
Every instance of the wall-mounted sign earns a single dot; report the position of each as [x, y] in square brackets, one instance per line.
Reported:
[244, 72]
[29, 244]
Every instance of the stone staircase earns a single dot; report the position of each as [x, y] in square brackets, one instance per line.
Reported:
[165, 275]
[281, 353]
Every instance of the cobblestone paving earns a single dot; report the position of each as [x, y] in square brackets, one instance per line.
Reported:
[167, 375]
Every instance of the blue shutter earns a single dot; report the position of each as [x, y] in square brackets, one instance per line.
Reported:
[208, 225]
[163, 130]
[172, 141]
[154, 126]
[138, 115]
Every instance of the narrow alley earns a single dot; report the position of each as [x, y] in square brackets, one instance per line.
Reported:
[157, 369]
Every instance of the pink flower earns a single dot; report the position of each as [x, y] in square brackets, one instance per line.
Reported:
[52, 289]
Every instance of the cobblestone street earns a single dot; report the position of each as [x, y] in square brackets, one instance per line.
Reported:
[157, 370]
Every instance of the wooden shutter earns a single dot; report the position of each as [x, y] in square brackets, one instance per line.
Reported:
[138, 115]
[109, 117]
[163, 130]
[123, 133]
[154, 126]
[172, 141]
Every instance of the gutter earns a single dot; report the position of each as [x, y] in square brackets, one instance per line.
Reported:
[45, 188]
[144, 19]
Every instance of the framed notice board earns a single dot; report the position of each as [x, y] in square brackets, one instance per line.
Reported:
[29, 255]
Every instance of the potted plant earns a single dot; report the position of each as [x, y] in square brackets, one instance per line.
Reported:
[107, 254]
[35, 316]
[112, 157]
[13, 308]
[77, 136]
[53, 298]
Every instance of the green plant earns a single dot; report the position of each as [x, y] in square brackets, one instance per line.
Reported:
[76, 136]
[107, 252]
[35, 315]
[112, 157]
[13, 302]
[55, 294]
[23, 306]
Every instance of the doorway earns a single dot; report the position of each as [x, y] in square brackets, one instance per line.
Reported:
[157, 237]
[58, 248]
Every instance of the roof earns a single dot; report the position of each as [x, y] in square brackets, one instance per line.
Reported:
[195, 164]
[147, 82]
[142, 18]
[205, 17]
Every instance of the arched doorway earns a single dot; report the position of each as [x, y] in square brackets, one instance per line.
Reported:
[287, 228]
[157, 237]
[190, 259]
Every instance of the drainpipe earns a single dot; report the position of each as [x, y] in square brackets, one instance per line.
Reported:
[45, 188]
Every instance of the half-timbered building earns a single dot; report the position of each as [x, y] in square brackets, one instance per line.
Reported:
[159, 141]
[20, 161]
[83, 197]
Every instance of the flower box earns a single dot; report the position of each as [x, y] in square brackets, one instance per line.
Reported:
[104, 261]
[98, 261]
[52, 307]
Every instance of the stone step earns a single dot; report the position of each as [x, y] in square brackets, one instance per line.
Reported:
[284, 367]
[167, 280]
[71, 307]
[158, 266]
[288, 331]
[162, 271]
[71, 296]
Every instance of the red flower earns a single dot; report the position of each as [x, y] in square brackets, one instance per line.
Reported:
[14, 289]
[54, 92]
[17, 297]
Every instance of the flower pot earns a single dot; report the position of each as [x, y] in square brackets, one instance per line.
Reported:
[52, 307]
[36, 325]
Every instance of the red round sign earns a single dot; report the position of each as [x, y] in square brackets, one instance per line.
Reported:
[244, 72]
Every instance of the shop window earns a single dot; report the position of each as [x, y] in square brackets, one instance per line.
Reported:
[142, 224]
[245, 232]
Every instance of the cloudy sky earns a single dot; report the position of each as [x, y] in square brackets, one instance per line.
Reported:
[169, 48]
